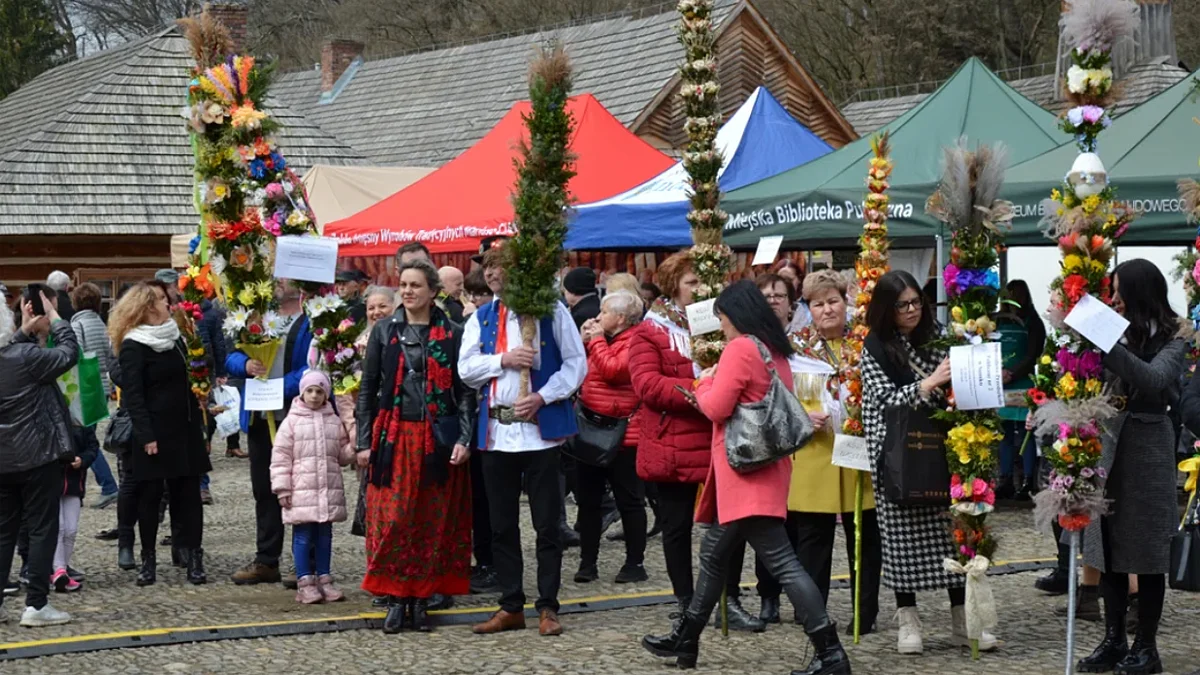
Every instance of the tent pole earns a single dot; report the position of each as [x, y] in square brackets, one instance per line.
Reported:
[940, 257]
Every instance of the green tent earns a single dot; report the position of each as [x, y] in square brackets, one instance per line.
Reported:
[1145, 151]
[820, 203]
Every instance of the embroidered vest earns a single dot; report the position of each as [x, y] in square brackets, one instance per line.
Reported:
[555, 420]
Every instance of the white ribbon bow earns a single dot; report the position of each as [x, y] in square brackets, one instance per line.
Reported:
[980, 605]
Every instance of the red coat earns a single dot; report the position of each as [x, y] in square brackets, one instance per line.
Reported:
[608, 388]
[675, 441]
[741, 377]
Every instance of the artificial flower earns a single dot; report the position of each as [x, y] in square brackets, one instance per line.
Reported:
[242, 258]
[246, 296]
[1072, 263]
[1066, 388]
[246, 117]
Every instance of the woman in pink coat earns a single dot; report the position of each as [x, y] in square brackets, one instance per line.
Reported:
[748, 507]
[311, 448]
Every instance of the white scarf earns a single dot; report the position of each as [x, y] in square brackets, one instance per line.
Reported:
[160, 338]
[680, 338]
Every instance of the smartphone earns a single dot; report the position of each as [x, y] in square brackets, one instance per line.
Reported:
[33, 295]
[689, 395]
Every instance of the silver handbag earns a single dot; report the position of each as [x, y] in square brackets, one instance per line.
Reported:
[758, 434]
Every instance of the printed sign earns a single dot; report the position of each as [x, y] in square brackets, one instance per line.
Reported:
[1097, 322]
[702, 317]
[264, 394]
[977, 376]
[306, 258]
[850, 452]
[768, 250]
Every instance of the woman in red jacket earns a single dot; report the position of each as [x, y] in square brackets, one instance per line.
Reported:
[674, 442]
[608, 392]
[748, 506]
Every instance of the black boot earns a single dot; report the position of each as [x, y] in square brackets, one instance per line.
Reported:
[149, 572]
[1132, 622]
[195, 567]
[682, 644]
[830, 658]
[420, 616]
[769, 610]
[179, 557]
[1111, 651]
[1027, 491]
[1054, 583]
[125, 558]
[1087, 604]
[1142, 658]
[394, 622]
[740, 619]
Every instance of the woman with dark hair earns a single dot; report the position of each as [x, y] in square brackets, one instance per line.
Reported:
[1022, 339]
[1139, 455]
[747, 507]
[899, 371]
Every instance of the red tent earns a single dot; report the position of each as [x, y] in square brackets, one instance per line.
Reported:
[467, 199]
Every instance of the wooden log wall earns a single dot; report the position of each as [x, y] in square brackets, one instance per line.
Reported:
[26, 259]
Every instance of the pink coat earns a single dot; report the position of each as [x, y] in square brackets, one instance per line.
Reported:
[311, 446]
[741, 377]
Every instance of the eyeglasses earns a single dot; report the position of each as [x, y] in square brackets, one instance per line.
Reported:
[908, 305]
[775, 297]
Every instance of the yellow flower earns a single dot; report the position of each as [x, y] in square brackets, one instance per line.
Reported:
[1093, 387]
[1091, 203]
[1066, 387]
[1055, 195]
[1097, 266]
[1072, 263]
[246, 296]
[265, 289]
[957, 313]
[1046, 360]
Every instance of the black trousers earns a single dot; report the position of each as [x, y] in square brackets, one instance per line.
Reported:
[504, 474]
[29, 499]
[187, 514]
[268, 516]
[630, 496]
[676, 517]
[723, 543]
[812, 537]
[481, 521]
[127, 502]
[1152, 590]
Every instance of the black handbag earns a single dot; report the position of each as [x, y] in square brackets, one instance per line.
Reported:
[118, 437]
[599, 438]
[1185, 555]
[915, 471]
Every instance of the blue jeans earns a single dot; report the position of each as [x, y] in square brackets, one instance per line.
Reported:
[204, 481]
[1010, 445]
[103, 474]
[310, 538]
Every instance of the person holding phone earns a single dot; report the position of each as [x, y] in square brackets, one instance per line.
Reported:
[35, 442]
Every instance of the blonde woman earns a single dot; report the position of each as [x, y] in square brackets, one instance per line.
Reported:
[168, 435]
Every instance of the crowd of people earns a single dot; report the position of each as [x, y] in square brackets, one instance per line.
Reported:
[458, 415]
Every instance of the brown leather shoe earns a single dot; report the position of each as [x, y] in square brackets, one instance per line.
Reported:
[256, 573]
[548, 623]
[501, 621]
[236, 452]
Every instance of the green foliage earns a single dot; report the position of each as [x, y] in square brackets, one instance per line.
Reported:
[544, 167]
[29, 42]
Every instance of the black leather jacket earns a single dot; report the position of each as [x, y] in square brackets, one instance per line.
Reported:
[375, 372]
[35, 426]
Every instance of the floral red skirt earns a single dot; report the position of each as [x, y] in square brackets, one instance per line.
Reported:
[418, 536]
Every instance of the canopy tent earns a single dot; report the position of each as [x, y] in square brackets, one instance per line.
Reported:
[337, 192]
[468, 198]
[820, 203]
[1145, 151]
[760, 140]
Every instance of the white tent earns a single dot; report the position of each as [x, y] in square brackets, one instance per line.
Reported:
[336, 192]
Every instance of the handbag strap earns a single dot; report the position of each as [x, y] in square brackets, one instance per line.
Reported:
[766, 356]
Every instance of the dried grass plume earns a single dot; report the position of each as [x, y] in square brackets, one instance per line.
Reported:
[209, 39]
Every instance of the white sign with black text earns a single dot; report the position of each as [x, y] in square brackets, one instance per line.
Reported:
[702, 317]
[264, 394]
[977, 376]
[850, 452]
[1097, 322]
[305, 258]
[768, 250]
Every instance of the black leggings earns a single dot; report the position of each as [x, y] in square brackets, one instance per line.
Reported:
[958, 598]
[1152, 590]
[187, 515]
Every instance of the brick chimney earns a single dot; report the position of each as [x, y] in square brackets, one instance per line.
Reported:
[336, 57]
[232, 14]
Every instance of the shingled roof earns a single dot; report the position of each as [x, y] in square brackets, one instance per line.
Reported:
[424, 108]
[1141, 83]
[99, 145]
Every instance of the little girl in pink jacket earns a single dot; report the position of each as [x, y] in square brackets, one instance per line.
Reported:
[311, 446]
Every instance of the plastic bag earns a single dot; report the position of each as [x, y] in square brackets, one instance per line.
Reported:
[229, 421]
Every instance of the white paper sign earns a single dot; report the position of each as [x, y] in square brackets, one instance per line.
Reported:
[1097, 322]
[702, 317]
[306, 258]
[850, 452]
[264, 394]
[768, 249]
[977, 376]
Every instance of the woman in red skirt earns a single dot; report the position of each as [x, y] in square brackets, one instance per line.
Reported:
[414, 426]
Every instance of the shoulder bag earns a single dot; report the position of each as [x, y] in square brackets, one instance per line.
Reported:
[118, 437]
[599, 438]
[758, 434]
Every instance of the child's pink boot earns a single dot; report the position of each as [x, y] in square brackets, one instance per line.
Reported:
[328, 590]
[307, 591]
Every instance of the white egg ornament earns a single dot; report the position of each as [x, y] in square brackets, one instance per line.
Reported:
[1088, 176]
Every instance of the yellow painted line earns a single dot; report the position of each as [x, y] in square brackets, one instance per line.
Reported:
[151, 632]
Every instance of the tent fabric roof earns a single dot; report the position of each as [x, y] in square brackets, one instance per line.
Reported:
[1145, 151]
[822, 200]
[760, 140]
[337, 192]
[424, 108]
[99, 146]
[469, 198]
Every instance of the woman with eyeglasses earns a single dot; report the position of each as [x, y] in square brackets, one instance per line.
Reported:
[900, 371]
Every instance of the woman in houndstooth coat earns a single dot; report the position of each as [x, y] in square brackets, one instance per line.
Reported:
[898, 372]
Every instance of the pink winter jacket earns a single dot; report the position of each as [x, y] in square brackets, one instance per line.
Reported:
[311, 446]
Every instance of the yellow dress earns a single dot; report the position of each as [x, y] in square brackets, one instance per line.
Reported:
[817, 485]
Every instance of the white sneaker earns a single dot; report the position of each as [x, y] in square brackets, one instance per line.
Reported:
[46, 616]
[958, 630]
[909, 640]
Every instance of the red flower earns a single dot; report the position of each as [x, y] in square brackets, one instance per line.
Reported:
[437, 333]
[443, 378]
[1037, 396]
[1074, 522]
[1075, 286]
[255, 329]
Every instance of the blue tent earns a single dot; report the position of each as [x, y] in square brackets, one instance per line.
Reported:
[761, 140]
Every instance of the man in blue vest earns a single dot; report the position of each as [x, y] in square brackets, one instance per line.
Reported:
[520, 439]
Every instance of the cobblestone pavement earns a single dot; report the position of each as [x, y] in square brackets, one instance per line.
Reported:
[598, 642]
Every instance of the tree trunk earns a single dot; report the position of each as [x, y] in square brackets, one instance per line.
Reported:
[528, 336]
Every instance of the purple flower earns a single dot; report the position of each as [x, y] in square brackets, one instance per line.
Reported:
[1068, 481]
[1075, 116]
[1091, 113]
[1101, 472]
[950, 277]
[1087, 472]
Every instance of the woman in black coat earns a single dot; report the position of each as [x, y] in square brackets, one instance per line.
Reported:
[168, 438]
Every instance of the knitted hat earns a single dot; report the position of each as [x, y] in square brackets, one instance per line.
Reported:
[315, 377]
[580, 281]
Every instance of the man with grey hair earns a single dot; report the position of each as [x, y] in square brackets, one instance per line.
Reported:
[60, 283]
